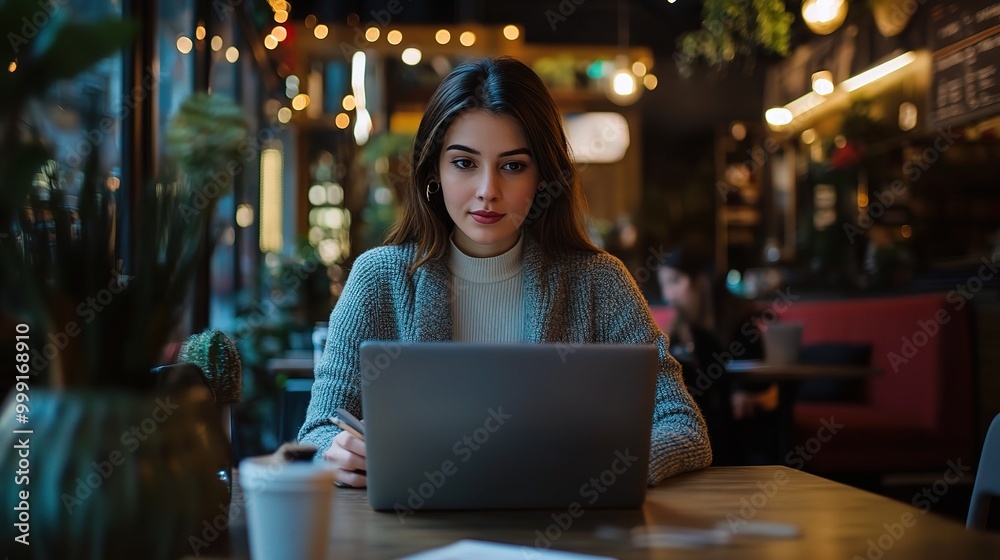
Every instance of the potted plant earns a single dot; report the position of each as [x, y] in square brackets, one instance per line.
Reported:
[110, 466]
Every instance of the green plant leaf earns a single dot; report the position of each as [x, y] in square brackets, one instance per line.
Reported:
[76, 47]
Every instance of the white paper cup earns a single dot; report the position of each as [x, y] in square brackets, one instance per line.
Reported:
[782, 342]
[288, 507]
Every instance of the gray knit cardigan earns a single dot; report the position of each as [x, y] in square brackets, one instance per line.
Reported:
[579, 297]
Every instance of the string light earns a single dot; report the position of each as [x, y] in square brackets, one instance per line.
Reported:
[467, 38]
[372, 34]
[511, 32]
[232, 54]
[184, 44]
[394, 37]
[442, 36]
[270, 42]
[216, 43]
[321, 31]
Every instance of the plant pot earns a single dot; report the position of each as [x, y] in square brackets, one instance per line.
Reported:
[111, 474]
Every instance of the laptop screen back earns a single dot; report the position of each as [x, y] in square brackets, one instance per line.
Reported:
[474, 426]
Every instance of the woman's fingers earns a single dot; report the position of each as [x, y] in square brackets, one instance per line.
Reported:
[343, 453]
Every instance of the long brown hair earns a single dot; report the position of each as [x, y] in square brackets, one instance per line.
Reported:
[501, 86]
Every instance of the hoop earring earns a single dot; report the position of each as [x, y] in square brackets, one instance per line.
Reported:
[429, 192]
[541, 196]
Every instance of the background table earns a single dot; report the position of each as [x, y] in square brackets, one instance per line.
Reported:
[789, 377]
[759, 371]
[836, 522]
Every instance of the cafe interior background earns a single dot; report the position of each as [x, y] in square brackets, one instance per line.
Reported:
[841, 152]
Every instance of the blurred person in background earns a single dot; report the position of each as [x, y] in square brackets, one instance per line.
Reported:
[710, 326]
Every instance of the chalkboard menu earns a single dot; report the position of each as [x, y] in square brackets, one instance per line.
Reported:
[965, 38]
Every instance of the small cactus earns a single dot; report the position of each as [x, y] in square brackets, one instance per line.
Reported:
[216, 355]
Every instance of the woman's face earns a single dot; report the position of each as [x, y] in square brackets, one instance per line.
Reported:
[488, 180]
[676, 287]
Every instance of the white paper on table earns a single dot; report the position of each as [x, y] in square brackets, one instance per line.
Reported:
[482, 550]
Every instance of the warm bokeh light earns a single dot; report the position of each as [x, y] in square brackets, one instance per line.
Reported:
[284, 115]
[184, 44]
[442, 36]
[809, 136]
[280, 16]
[244, 215]
[639, 69]
[321, 31]
[348, 102]
[623, 83]
[199, 32]
[372, 34]
[310, 21]
[270, 42]
[907, 116]
[650, 82]
[906, 231]
[739, 131]
[216, 43]
[394, 37]
[822, 82]
[232, 54]
[824, 16]
[280, 33]
[300, 101]
[12, 66]
[778, 116]
[862, 200]
[342, 120]
[411, 56]
[467, 38]
[511, 32]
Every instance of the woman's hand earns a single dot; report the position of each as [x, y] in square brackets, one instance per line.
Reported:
[347, 453]
[746, 404]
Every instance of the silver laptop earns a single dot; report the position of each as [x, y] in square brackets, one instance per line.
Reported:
[482, 426]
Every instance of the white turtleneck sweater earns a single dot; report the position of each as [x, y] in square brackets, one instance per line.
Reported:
[488, 302]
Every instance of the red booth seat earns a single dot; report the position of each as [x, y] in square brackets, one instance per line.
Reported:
[919, 412]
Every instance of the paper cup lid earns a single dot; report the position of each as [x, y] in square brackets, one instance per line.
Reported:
[265, 473]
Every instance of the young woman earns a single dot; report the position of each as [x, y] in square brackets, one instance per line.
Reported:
[491, 248]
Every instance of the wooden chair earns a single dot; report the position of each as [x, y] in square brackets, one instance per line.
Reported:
[987, 478]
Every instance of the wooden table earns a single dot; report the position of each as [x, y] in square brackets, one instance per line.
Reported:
[835, 521]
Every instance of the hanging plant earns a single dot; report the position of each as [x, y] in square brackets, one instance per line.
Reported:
[732, 29]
